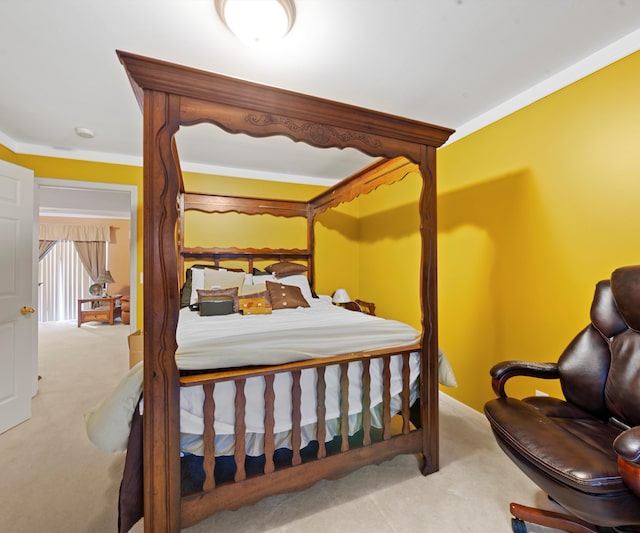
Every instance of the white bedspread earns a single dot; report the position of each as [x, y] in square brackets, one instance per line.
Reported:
[236, 340]
[285, 335]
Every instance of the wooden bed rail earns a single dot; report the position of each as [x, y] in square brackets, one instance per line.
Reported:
[234, 494]
[228, 375]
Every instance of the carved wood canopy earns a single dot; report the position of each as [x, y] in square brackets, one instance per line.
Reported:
[259, 110]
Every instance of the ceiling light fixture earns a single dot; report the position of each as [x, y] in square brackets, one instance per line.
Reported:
[85, 133]
[257, 22]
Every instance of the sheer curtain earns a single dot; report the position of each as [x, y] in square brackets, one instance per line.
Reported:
[63, 280]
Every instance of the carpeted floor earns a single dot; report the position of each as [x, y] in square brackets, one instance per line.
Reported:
[54, 480]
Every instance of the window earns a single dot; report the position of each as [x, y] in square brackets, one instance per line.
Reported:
[62, 281]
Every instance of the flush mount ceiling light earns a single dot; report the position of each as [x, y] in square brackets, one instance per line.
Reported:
[85, 133]
[257, 22]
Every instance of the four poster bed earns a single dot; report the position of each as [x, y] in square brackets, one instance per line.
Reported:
[338, 399]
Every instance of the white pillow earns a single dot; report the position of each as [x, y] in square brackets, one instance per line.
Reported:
[197, 282]
[223, 279]
[252, 289]
[301, 281]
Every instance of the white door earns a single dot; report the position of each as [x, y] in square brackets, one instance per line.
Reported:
[18, 322]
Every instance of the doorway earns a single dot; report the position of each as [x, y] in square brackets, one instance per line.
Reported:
[70, 198]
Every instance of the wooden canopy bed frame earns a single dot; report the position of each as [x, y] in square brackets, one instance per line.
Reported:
[172, 96]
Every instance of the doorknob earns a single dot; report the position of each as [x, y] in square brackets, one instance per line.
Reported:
[27, 310]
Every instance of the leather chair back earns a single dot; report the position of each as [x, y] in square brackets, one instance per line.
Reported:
[600, 369]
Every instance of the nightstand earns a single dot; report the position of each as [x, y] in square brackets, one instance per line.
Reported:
[102, 309]
[368, 308]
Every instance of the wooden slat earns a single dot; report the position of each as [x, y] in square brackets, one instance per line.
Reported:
[240, 430]
[321, 409]
[406, 393]
[344, 406]
[296, 400]
[366, 402]
[209, 435]
[386, 398]
[269, 421]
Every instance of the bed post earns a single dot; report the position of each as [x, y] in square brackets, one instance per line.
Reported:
[161, 444]
[311, 244]
[429, 303]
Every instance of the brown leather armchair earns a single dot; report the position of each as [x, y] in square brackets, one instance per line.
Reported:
[583, 451]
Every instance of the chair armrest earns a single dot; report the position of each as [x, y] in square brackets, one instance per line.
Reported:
[627, 446]
[505, 370]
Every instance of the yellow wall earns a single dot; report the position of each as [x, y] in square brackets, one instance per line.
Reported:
[247, 231]
[337, 234]
[390, 246]
[533, 211]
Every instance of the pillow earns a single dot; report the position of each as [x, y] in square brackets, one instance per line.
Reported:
[285, 296]
[185, 291]
[197, 282]
[208, 293]
[302, 282]
[195, 279]
[222, 279]
[285, 268]
[262, 294]
[248, 290]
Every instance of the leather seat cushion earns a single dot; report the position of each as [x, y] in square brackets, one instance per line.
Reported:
[565, 442]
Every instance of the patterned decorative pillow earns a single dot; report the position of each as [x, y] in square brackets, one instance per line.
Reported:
[209, 293]
[285, 268]
[259, 294]
[285, 296]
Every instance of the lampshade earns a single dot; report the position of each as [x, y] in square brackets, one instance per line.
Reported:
[341, 296]
[105, 277]
[257, 22]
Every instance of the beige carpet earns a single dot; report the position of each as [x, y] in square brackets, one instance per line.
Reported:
[53, 479]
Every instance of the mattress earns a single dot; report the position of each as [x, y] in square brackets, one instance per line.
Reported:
[287, 335]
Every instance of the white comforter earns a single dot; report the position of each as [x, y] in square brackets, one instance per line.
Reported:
[236, 340]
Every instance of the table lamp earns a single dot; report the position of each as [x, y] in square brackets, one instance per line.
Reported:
[105, 278]
[341, 296]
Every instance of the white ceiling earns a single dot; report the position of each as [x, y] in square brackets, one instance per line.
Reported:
[455, 63]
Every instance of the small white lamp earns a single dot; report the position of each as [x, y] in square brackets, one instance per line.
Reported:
[341, 296]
